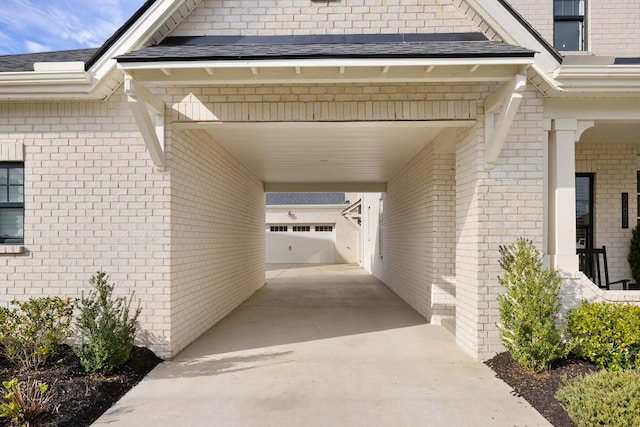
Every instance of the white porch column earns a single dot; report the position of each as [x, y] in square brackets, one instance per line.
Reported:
[563, 135]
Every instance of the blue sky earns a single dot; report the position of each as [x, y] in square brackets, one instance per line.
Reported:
[44, 25]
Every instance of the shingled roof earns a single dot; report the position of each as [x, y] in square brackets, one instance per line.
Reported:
[463, 45]
[24, 62]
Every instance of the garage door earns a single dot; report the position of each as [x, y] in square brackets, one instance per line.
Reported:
[301, 243]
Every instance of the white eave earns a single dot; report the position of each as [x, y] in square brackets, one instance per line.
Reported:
[56, 78]
[598, 78]
[326, 70]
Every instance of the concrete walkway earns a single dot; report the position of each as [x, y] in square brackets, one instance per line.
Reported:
[322, 346]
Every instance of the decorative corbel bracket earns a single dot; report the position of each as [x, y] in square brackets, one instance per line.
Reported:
[148, 111]
[354, 213]
[509, 97]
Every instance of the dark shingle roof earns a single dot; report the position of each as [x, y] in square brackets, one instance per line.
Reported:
[305, 199]
[300, 47]
[24, 62]
[627, 61]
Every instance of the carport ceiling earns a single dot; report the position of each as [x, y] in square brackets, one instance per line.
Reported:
[612, 131]
[327, 156]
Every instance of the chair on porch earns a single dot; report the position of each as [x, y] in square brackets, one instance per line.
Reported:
[593, 263]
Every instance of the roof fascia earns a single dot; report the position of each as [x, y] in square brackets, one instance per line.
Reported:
[57, 73]
[102, 78]
[119, 32]
[327, 70]
[137, 35]
[599, 78]
[502, 19]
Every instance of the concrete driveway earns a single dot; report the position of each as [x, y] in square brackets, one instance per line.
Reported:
[322, 346]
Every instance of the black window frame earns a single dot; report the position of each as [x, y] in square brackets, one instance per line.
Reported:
[571, 16]
[587, 230]
[12, 205]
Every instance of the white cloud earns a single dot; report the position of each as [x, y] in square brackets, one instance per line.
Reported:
[36, 47]
[61, 24]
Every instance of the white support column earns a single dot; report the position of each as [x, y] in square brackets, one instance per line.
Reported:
[563, 135]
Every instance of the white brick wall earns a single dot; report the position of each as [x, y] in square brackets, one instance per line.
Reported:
[92, 201]
[418, 238]
[612, 25]
[323, 102]
[614, 166]
[286, 17]
[494, 207]
[217, 234]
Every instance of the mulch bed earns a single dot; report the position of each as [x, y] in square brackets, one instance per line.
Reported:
[539, 389]
[79, 398]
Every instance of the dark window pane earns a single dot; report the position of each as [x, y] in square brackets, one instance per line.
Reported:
[4, 173]
[11, 223]
[568, 35]
[16, 176]
[3, 194]
[583, 216]
[16, 194]
[638, 185]
[568, 7]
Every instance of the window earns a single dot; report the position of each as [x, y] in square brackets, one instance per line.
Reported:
[278, 228]
[584, 210]
[11, 203]
[323, 228]
[569, 25]
[638, 197]
[380, 226]
[301, 228]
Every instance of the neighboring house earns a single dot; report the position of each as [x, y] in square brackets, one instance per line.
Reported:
[309, 228]
[150, 156]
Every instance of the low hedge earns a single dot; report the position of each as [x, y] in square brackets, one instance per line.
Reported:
[605, 398]
[607, 334]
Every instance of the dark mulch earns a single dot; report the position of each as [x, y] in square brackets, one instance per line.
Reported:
[80, 398]
[539, 389]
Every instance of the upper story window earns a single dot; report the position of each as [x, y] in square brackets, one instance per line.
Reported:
[569, 25]
[11, 202]
[278, 228]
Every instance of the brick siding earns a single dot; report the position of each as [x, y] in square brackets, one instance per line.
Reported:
[286, 17]
[217, 234]
[92, 201]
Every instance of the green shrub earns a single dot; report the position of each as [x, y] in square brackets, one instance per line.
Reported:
[634, 254]
[106, 327]
[607, 334]
[529, 307]
[33, 331]
[23, 401]
[606, 398]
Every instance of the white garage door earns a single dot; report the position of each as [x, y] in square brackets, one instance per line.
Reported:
[301, 243]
